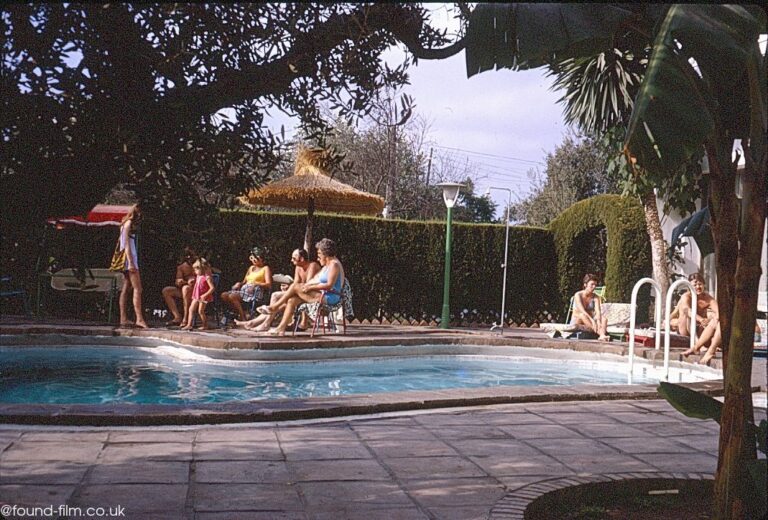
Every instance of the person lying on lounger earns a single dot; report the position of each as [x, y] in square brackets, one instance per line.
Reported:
[587, 314]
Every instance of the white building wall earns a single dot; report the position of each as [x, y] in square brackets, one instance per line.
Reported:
[692, 260]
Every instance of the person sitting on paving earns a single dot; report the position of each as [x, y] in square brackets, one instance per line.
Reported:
[184, 282]
[707, 320]
[587, 314]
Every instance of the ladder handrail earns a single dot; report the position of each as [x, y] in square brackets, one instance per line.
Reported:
[633, 318]
[668, 310]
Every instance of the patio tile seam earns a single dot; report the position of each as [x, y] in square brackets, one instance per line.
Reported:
[76, 495]
[391, 473]
[189, 499]
[469, 458]
[292, 472]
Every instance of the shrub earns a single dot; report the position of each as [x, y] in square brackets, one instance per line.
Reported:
[628, 257]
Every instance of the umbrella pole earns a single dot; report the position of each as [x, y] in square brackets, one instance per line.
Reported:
[308, 232]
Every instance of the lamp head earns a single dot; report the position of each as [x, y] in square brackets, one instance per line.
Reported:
[450, 192]
[704, 164]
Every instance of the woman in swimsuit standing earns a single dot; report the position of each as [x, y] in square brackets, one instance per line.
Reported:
[126, 259]
[586, 309]
[330, 279]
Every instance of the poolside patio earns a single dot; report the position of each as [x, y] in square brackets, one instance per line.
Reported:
[451, 463]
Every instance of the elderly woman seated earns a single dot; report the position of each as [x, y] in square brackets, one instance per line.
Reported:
[326, 284]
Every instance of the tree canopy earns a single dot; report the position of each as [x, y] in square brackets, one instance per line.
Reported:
[100, 94]
[575, 171]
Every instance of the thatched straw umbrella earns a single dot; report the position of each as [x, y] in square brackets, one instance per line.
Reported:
[310, 187]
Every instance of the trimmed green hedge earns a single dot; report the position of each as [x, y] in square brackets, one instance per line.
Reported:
[628, 257]
[395, 267]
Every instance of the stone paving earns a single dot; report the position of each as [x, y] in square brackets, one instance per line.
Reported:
[440, 464]
[446, 464]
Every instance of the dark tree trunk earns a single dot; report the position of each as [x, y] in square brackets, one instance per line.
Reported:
[738, 249]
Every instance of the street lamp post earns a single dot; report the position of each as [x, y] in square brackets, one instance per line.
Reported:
[500, 325]
[450, 195]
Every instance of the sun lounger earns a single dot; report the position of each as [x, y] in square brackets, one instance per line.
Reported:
[618, 322]
[98, 280]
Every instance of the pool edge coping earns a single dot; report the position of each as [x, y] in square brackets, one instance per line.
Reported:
[341, 406]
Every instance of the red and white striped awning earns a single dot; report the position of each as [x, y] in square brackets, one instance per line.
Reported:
[100, 215]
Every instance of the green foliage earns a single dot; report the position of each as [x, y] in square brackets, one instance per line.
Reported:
[517, 36]
[472, 208]
[143, 94]
[679, 107]
[690, 402]
[628, 254]
[701, 406]
[575, 171]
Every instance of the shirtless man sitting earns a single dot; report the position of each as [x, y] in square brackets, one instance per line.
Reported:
[304, 270]
[184, 282]
[707, 320]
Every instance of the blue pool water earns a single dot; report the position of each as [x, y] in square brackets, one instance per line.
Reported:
[93, 374]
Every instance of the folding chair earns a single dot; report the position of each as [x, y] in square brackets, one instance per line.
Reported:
[322, 313]
[216, 277]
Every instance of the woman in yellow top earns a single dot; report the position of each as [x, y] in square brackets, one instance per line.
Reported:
[257, 279]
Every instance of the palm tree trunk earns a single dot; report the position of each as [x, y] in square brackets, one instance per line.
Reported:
[658, 245]
[738, 249]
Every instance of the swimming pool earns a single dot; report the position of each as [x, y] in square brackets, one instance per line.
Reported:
[89, 374]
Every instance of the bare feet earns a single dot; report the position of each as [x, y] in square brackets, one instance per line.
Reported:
[126, 325]
[705, 360]
[142, 325]
[175, 322]
[187, 327]
[689, 352]
[242, 323]
[276, 332]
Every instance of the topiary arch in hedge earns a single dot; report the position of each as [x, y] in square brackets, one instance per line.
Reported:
[628, 256]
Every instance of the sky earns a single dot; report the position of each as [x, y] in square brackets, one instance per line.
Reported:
[504, 122]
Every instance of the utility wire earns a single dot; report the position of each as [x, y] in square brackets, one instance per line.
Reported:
[508, 158]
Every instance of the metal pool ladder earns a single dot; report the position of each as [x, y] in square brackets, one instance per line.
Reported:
[658, 315]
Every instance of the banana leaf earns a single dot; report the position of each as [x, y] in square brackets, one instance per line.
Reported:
[690, 402]
[693, 80]
[525, 36]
